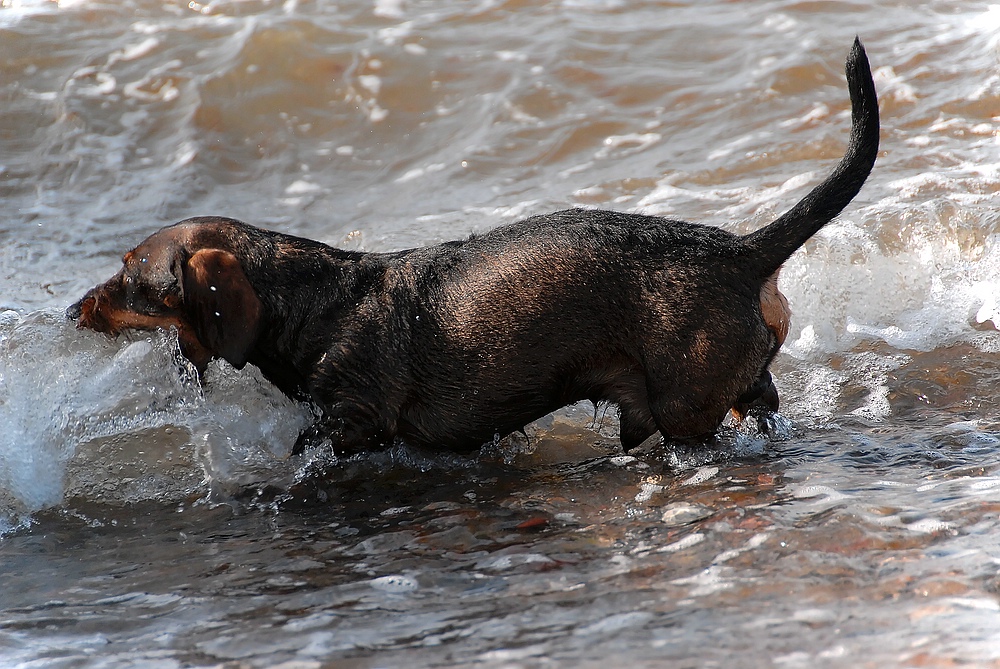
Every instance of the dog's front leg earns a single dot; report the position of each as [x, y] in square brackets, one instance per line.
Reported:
[348, 429]
[636, 424]
[311, 437]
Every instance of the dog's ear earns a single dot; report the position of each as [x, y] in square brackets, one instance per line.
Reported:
[222, 305]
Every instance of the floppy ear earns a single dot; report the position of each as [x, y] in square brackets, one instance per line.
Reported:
[222, 305]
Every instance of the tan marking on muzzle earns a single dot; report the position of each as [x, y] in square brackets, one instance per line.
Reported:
[100, 312]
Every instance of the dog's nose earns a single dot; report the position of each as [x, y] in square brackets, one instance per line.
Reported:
[769, 398]
[761, 395]
[74, 311]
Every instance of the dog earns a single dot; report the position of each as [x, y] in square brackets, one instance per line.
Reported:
[456, 345]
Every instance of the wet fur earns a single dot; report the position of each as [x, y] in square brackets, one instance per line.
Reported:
[450, 346]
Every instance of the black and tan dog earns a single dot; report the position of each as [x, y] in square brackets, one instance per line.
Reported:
[451, 345]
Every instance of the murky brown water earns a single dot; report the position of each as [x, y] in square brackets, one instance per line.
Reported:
[146, 521]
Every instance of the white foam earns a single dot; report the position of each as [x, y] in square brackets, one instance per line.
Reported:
[681, 544]
[13, 12]
[646, 492]
[504, 562]
[302, 187]
[394, 34]
[890, 84]
[396, 584]
[846, 288]
[371, 83]
[626, 145]
[419, 172]
[388, 9]
[136, 51]
[703, 474]
[987, 23]
[615, 623]
[928, 526]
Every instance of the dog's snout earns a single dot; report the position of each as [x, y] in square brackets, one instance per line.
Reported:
[761, 396]
[74, 311]
[85, 312]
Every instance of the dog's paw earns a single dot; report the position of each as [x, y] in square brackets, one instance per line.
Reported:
[310, 438]
[327, 432]
[343, 436]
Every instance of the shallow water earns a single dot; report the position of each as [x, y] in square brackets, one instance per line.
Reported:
[146, 520]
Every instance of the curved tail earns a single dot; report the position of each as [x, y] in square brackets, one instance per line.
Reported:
[769, 247]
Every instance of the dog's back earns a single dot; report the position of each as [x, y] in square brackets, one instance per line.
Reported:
[570, 306]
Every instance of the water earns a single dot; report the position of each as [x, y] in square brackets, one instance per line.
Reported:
[147, 520]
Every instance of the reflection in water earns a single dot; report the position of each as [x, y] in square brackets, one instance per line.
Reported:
[151, 520]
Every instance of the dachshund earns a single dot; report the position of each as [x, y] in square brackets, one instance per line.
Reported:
[456, 345]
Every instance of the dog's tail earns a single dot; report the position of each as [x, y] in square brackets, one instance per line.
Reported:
[769, 247]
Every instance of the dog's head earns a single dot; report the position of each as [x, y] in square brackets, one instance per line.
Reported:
[186, 277]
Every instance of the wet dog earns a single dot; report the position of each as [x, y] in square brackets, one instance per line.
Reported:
[454, 345]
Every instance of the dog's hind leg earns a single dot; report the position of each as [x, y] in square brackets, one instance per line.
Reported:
[688, 411]
[635, 424]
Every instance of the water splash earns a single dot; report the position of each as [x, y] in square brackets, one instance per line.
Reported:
[122, 421]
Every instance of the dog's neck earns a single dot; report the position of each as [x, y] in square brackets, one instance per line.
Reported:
[337, 279]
